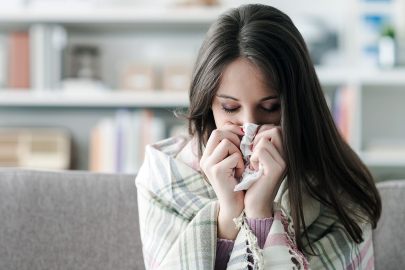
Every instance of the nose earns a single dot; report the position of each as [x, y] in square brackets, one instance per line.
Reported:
[248, 117]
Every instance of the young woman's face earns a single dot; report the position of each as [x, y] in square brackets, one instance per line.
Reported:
[244, 97]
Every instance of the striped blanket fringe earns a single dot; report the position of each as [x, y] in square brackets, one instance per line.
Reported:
[252, 242]
[290, 237]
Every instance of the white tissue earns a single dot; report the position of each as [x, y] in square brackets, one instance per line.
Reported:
[249, 176]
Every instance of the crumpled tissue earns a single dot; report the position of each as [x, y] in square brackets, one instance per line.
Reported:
[249, 176]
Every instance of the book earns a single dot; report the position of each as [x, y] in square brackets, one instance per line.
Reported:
[47, 44]
[107, 145]
[344, 111]
[349, 103]
[58, 42]
[122, 125]
[19, 60]
[146, 130]
[3, 60]
[133, 155]
[95, 150]
[37, 34]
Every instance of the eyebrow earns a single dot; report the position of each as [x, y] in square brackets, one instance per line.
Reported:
[263, 99]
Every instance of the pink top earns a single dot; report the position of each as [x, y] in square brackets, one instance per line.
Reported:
[259, 227]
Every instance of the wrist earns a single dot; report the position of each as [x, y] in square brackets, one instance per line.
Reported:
[259, 213]
[230, 212]
[226, 225]
[226, 228]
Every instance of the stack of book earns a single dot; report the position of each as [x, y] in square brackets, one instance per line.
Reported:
[117, 145]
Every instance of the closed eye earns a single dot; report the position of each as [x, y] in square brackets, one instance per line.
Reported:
[264, 109]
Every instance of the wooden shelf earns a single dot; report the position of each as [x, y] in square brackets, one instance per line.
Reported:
[29, 98]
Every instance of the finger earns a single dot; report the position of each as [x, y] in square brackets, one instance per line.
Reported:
[259, 132]
[273, 134]
[265, 144]
[268, 161]
[224, 149]
[271, 174]
[233, 128]
[266, 158]
[262, 156]
[217, 136]
[234, 161]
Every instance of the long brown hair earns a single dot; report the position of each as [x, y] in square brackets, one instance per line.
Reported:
[316, 154]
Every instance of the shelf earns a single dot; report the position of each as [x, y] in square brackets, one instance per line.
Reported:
[382, 77]
[333, 76]
[114, 15]
[160, 98]
[27, 98]
[336, 76]
[383, 159]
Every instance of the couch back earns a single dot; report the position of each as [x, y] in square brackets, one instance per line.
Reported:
[68, 220]
[84, 220]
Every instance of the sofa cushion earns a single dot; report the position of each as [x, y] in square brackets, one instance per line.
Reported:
[68, 220]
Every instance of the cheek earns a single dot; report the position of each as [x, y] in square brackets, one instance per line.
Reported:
[220, 117]
[276, 118]
[273, 118]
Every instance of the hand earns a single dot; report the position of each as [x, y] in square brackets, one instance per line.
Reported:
[268, 150]
[220, 157]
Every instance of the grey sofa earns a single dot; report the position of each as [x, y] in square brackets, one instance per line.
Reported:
[84, 220]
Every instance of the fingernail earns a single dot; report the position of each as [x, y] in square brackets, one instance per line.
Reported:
[251, 148]
[242, 130]
[250, 167]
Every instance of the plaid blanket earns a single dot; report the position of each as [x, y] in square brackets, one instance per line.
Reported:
[178, 213]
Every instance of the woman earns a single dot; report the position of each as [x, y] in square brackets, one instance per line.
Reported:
[314, 205]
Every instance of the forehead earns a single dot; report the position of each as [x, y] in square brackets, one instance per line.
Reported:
[242, 76]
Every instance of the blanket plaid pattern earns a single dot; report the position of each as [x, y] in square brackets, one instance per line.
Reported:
[178, 222]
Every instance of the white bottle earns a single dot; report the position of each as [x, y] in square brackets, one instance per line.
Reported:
[386, 52]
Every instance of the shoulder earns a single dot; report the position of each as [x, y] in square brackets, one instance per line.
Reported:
[169, 146]
[179, 149]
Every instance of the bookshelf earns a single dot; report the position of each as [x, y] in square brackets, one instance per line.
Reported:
[168, 34]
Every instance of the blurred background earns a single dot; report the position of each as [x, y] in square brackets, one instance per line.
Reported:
[86, 84]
